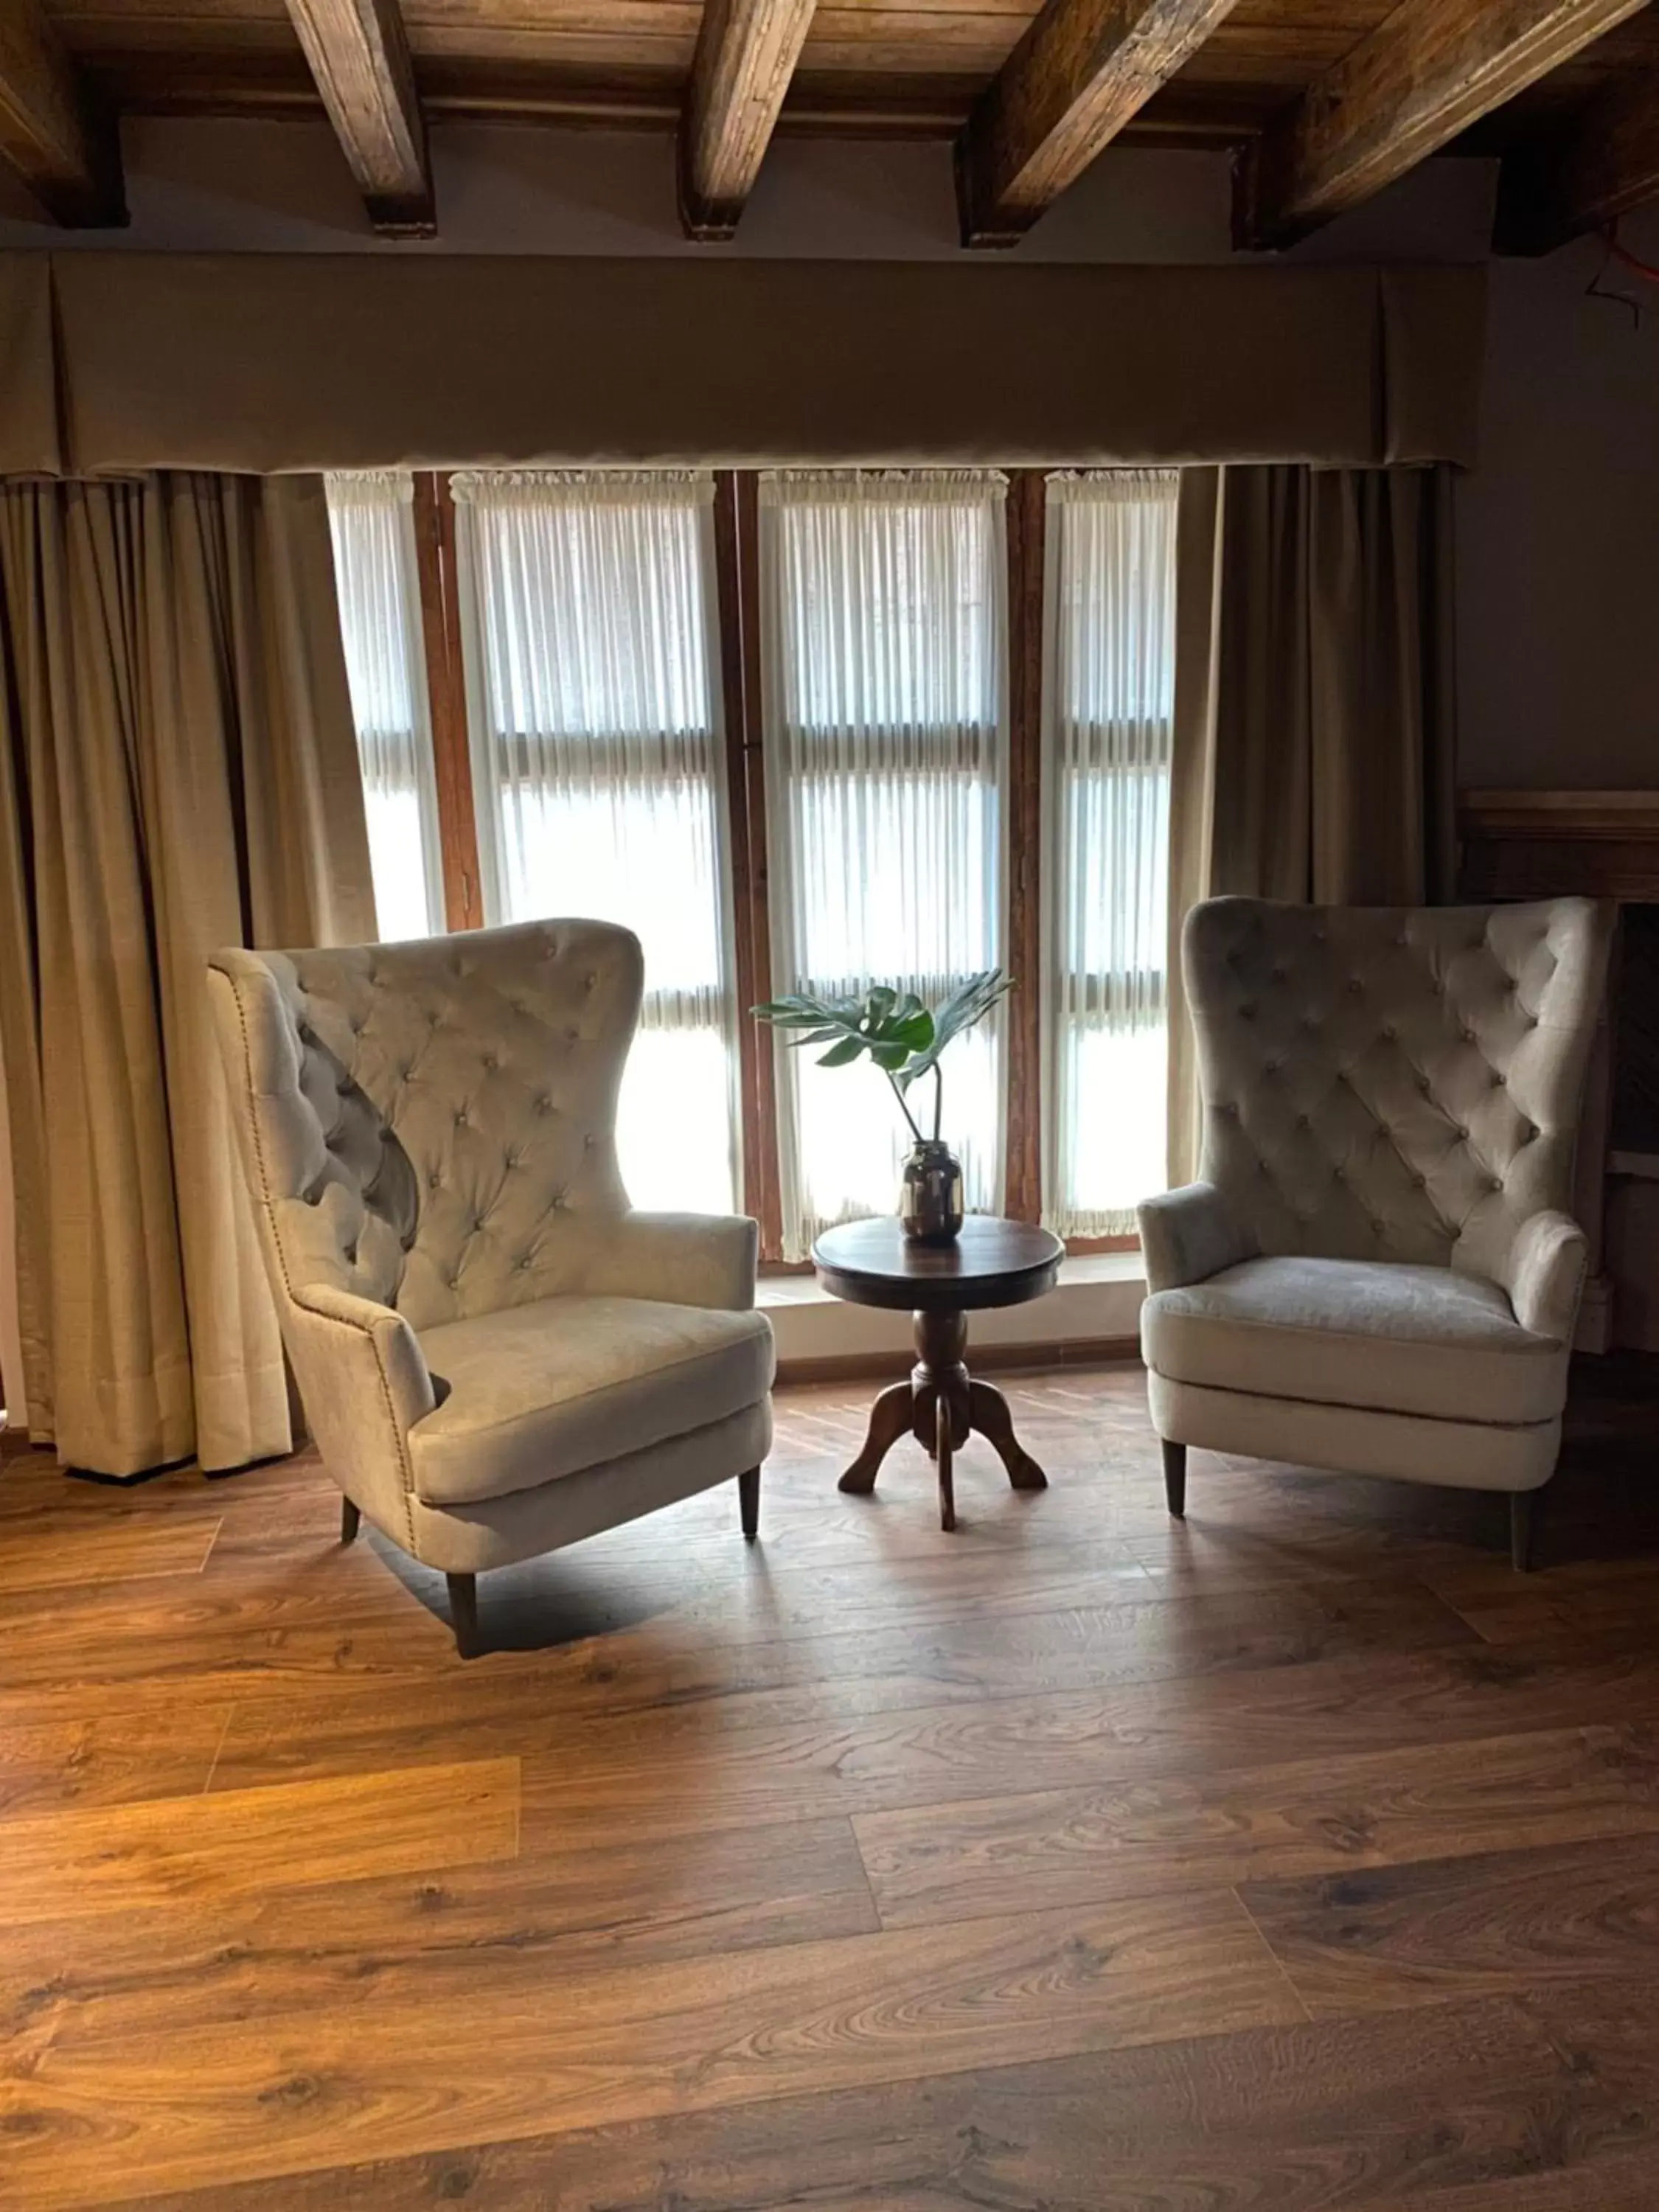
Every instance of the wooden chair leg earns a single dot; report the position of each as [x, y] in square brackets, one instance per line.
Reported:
[1175, 1477]
[464, 1613]
[749, 1502]
[1520, 1529]
[350, 1520]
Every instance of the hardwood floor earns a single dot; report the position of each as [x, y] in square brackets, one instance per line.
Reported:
[1295, 1858]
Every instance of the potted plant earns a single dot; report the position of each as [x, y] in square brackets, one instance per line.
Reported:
[904, 1039]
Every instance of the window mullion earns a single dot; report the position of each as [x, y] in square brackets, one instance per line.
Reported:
[1023, 1187]
[737, 581]
[440, 630]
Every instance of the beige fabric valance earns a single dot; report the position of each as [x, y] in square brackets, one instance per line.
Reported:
[29, 441]
[272, 363]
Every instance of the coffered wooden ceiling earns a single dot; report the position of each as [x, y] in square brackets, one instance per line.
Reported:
[1325, 101]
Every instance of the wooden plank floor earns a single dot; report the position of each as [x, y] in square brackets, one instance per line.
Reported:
[1297, 1859]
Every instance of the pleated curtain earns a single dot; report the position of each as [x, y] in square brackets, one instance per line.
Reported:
[1315, 702]
[178, 771]
[371, 517]
[591, 631]
[883, 607]
[1110, 628]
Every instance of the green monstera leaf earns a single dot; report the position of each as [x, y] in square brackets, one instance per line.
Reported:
[890, 1027]
[902, 1036]
[967, 1004]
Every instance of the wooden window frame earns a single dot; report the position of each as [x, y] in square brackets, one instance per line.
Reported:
[1024, 1106]
[737, 581]
[446, 686]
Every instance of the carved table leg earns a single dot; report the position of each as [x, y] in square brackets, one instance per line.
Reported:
[988, 1411]
[941, 1405]
[889, 1419]
[947, 1495]
[939, 1380]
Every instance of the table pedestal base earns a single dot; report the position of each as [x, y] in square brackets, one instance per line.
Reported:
[941, 1406]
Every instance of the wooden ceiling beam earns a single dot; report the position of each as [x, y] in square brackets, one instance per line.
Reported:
[1081, 70]
[1429, 70]
[53, 133]
[1584, 171]
[358, 51]
[746, 54]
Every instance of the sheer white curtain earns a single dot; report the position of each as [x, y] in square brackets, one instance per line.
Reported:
[372, 518]
[1108, 691]
[883, 617]
[590, 630]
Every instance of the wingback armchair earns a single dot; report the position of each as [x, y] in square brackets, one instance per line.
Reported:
[498, 1355]
[1375, 1272]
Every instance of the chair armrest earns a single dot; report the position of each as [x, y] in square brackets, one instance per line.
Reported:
[683, 1259]
[365, 1382]
[1188, 1235]
[1544, 1278]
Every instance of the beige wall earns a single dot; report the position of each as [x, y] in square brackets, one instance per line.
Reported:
[1558, 526]
[1558, 532]
[274, 186]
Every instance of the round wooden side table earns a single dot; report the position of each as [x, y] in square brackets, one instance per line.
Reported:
[992, 1263]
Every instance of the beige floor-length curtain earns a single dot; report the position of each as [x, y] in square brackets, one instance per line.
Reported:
[1314, 702]
[178, 770]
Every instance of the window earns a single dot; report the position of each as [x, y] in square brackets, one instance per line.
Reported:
[951, 697]
[371, 521]
[1108, 698]
[588, 606]
[883, 620]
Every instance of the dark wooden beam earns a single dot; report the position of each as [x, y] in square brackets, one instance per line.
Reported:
[359, 54]
[1583, 172]
[1081, 70]
[53, 133]
[746, 56]
[1429, 70]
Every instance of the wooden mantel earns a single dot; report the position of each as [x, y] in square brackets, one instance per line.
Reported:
[1543, 844]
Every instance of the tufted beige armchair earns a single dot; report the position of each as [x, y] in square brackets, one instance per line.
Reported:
[1374, 1273]
[497, 1354]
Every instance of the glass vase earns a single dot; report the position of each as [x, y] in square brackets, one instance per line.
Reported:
[930, 1196]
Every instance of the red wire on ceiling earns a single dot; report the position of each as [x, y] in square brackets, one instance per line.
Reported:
[1648, 269]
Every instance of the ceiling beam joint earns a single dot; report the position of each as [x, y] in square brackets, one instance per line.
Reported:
[1081, 71]
[1584, 171]
[359, 54]
[746, 55]
[54, 131]
[1427, 72]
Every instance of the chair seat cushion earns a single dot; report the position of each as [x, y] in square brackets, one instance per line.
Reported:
[547, 1388]
[1394, 1338]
